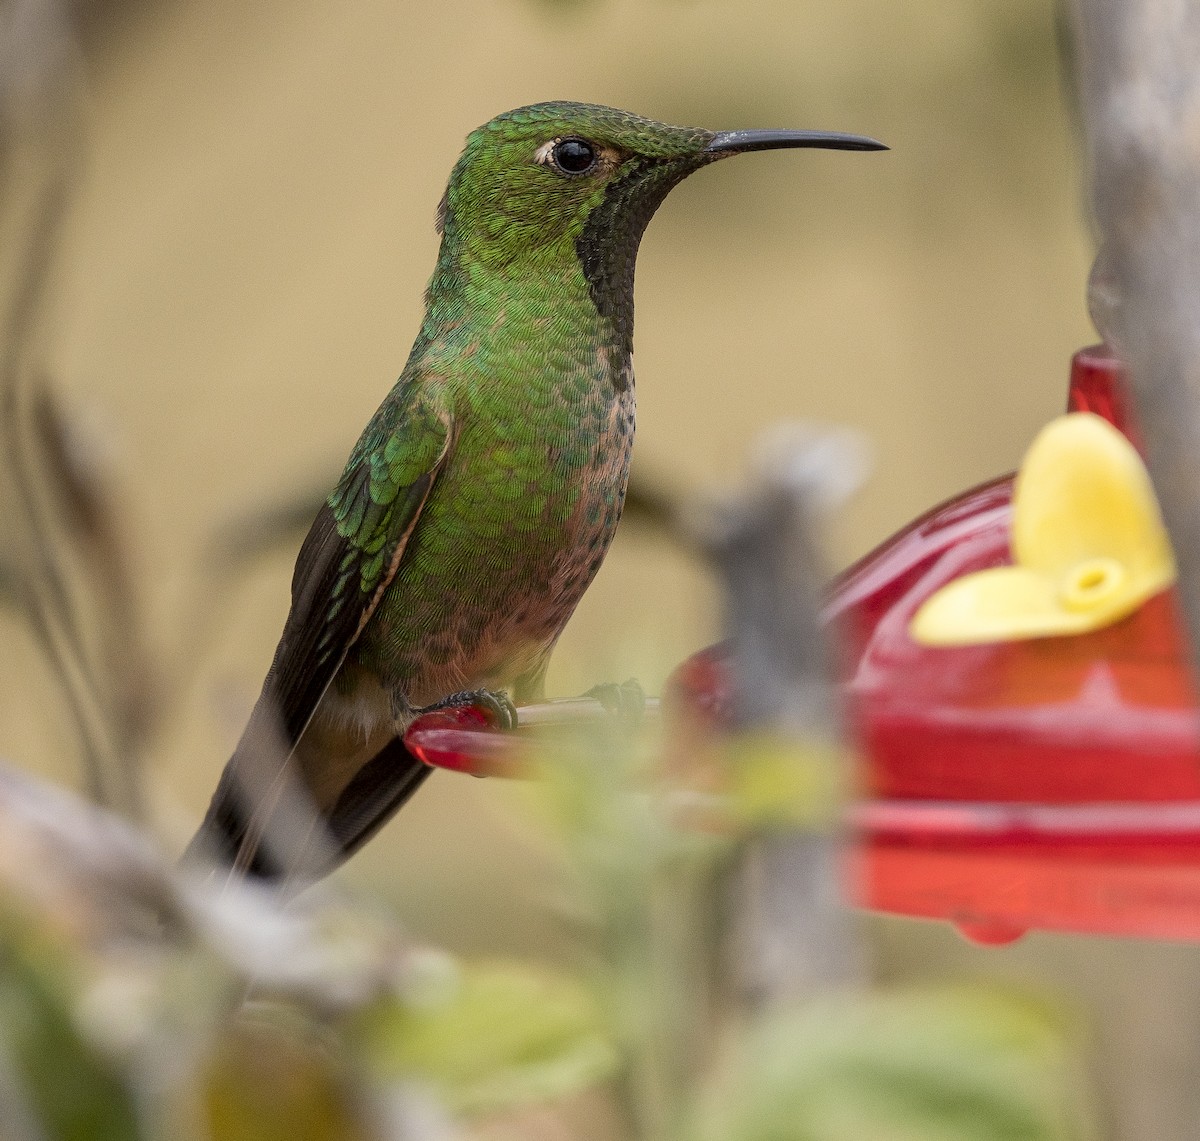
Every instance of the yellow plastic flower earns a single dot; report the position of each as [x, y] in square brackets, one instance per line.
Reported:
[1088, 544]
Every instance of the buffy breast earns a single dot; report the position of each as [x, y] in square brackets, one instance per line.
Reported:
[504, 551]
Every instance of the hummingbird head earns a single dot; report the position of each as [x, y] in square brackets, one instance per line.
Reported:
[568, 188]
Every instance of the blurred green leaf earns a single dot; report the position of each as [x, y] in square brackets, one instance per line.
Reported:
[492, 1036]
[272, 1078]
[776, 782]
[915, 1066]
[74, 1093]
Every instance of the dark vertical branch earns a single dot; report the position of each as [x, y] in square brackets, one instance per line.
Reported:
[1139, 80]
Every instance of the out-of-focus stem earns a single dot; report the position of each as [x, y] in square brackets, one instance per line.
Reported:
[791, 932]
[1139, 83]
[41, 136]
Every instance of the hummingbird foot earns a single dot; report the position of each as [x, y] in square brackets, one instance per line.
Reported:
[496, 704]
[625, 700]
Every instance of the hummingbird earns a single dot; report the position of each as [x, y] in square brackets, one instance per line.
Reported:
[480, 500]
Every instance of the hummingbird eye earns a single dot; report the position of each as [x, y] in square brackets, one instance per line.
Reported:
[574, 156]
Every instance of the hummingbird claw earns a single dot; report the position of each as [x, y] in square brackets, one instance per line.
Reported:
[626, 699]
[495, 703]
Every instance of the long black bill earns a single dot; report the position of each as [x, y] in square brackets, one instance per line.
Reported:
[735, 142]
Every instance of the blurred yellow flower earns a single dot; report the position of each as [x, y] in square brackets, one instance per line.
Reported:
[1088, 545]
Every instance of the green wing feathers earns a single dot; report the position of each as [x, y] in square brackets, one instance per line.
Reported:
[346, 562]
[380, 496]
[354, 550]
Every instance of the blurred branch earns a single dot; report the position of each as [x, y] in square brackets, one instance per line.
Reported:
[263, 530]
[650, 503]
[42, 588]
[792, 934]
[1140, 96]
[52, 502]
[122, 985]
[123, 678]
[91, 873]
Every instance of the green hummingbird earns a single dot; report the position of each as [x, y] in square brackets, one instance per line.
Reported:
[481, 498]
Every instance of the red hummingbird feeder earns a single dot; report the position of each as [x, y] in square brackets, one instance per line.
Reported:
[1038, 781]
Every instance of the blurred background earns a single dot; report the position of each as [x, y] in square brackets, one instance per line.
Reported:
[242, 275]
